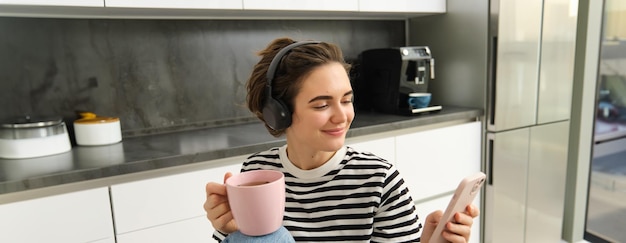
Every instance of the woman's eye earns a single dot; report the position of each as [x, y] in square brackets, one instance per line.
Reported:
[319, 107]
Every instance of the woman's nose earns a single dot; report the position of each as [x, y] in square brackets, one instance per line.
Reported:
[340, 114]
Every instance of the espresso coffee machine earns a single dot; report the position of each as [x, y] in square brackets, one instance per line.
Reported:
[385, 77]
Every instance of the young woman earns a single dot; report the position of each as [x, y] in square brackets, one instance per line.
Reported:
[333, 192]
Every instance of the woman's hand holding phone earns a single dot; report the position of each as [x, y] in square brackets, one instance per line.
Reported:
[454, 224]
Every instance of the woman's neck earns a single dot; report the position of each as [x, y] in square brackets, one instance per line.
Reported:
[307, 159]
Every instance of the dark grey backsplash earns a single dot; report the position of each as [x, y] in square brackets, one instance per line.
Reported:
[156, 75]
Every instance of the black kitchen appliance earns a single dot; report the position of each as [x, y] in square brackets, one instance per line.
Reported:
[385, 77]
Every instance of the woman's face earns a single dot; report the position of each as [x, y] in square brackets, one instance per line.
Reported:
[323, 109]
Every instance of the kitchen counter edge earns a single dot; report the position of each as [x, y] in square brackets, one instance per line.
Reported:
[85, 178]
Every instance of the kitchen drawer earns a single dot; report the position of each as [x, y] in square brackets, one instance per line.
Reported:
[159, 201]
[434, 161]
[83, 216]
[192, 230]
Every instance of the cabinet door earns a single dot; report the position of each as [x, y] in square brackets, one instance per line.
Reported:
[78, 3]
[414, 6]
[514, 103]
[147, 203]
[83, 216]
[506, 202]
[433, 162]
[192, 230]
[383, 147]
[556, 75]
[190, 4]
[108, 240]
[302, 5]
[546, 182]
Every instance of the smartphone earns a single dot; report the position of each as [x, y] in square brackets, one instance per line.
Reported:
[463, 196]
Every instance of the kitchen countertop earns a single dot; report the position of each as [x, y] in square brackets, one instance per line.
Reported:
[151, 152]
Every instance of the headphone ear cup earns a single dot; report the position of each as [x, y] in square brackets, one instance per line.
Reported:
[276, 114]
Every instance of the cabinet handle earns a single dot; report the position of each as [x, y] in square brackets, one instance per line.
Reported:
[492, 80]
[489, 168]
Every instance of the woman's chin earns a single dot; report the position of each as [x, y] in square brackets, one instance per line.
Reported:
[336, 145]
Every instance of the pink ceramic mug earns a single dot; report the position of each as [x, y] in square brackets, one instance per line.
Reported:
[257, 201]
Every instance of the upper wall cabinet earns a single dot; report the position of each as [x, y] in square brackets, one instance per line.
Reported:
[77, 3]
[223, 9]
[362, 6]
[189, 4]
[403, 6]
[302, 5]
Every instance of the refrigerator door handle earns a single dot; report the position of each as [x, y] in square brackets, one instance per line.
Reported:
[492, 83]
[489, 159]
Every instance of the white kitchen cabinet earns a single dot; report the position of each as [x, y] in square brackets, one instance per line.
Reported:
[178, 4]
[156, 202]
[192, 230]
[302, 5]
[223, 9]
[382, 147]
[76, 3]
[434, 161]
[108, 240]
[82, 216]
[407, 6]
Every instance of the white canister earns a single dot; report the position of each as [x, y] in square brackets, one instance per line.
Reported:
[30, 137]
[91, 130]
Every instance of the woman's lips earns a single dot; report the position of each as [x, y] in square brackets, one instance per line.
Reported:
[334, 132]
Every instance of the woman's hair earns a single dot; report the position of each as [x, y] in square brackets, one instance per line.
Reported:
[290, 72]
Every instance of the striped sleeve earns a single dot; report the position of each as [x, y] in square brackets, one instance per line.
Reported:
[396, 219]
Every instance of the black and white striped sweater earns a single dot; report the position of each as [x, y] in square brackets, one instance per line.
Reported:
[354, 197]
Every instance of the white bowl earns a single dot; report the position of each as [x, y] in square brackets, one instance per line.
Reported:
[30, 137]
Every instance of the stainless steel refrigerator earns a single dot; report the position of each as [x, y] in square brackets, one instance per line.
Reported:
[530, 85]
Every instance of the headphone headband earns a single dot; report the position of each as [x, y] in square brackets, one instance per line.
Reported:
[271, 71]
